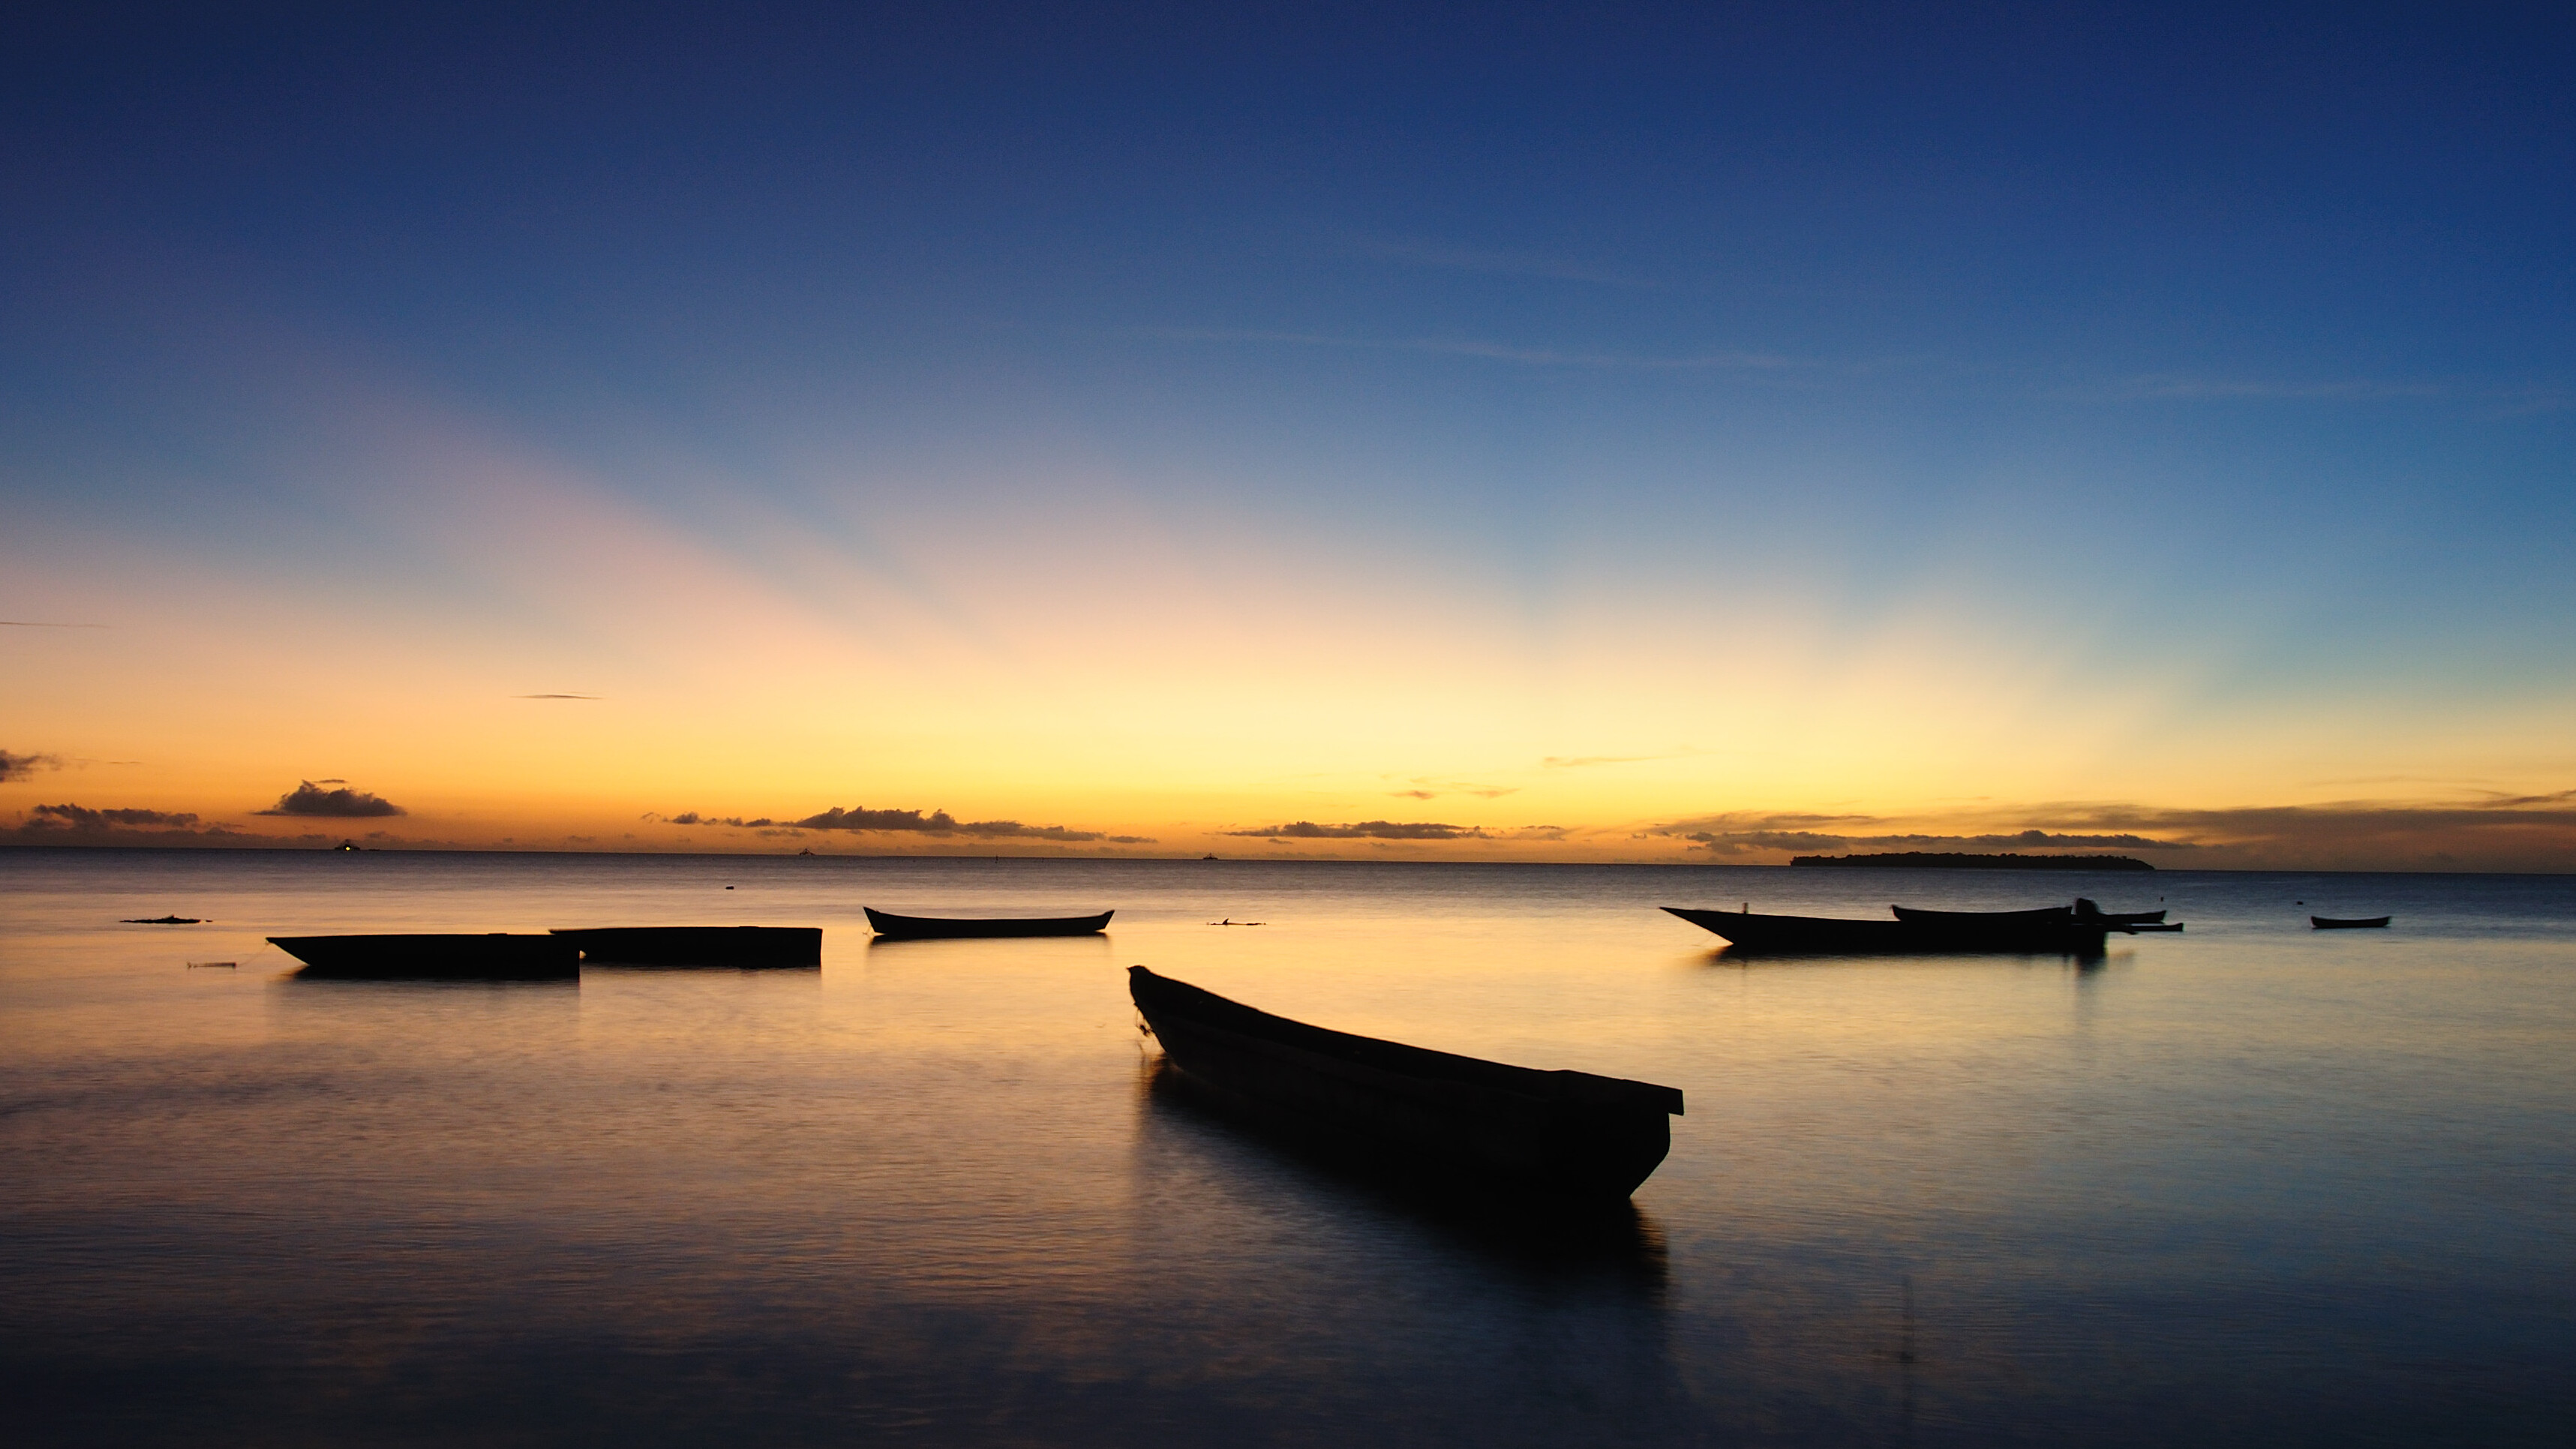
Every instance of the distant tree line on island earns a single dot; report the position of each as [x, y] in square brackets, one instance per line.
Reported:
[1933, 860]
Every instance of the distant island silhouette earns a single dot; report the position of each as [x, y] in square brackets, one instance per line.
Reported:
[1931, 860]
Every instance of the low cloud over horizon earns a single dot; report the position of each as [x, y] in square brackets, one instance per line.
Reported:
[860, 819]
[69, 824]
[310, 799]
[2522, 832]
[1365, 830]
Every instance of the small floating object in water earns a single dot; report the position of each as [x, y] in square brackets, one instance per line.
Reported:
[213, 965]
[161, 921]
[2331, 923]
[1231, 921]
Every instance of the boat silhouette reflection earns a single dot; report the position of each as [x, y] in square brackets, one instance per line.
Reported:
[1181, 1118]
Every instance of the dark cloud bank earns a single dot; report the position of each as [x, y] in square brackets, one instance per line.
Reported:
[20, 767]
[342, 804]
[2507, 833]
[69, 824]
[939, 823]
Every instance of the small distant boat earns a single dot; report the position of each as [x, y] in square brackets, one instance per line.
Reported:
[1540, 1134]
[161, 921]
[2333, 923]
[464, 957]
[924, 928]
[698, 945]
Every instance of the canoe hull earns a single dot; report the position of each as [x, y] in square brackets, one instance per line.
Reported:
[2331, 923]
[2059, 933]
[699, 945]
[926, 928]
[1546, 1136]
[461, 957]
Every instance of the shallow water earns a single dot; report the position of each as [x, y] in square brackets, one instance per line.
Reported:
[2246, 1184]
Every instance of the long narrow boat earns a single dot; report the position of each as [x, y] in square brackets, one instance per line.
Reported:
[464, 957]
[1539, 1134]
[2084, 910]
[699, 945]
[919, 928]
[2332, 923]
[2058, 932]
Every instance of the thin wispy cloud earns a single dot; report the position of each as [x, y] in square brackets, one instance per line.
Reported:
[1431, 788]
[1365, 830]
[1582, 762]
[2186, 388]
[19, 767]
[556, 696]
[40, 624]
[860, 819]
[1498, 263]
[1726, 361]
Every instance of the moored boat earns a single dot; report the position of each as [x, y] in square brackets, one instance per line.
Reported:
[2084, 910]
[1543, 1135]
[698, 945]
[920, 928]
[464, 957]
[2057, 931]
[2332, 923]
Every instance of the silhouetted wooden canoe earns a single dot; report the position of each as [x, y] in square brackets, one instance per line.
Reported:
[1541, 1134]
[2083, 910]
[484, 957]
[2058, 931]
[916, 928]
[2044, 916]
[699, 945]
[2331, 923]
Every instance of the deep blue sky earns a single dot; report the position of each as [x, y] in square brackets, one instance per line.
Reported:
[2229, 341]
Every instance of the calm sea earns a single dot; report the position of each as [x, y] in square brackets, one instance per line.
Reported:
[2249, 1184]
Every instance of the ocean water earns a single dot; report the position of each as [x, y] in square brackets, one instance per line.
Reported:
[2247, 1184]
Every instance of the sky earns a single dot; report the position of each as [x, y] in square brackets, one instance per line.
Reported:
[1485, 432]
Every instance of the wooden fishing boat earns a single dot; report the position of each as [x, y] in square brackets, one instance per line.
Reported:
[2058, 931]
[2083, 910]
[699, 945]
[921, 928]
[465, 957]
[2332, 923]
[1538, 1134]
[1952, 920]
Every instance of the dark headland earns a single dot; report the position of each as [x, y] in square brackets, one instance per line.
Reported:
[1929, 860]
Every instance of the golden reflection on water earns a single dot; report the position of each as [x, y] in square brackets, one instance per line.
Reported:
[2235, 1177]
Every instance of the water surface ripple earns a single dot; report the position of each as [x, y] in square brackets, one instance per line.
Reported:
[2246, 1184]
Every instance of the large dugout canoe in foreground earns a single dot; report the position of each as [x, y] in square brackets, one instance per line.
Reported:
[1539, 1134]
[495, 956]
[2058, 931]
[698, 945]
[923, 928]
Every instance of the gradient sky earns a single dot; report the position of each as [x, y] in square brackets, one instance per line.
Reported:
[1475, 432]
